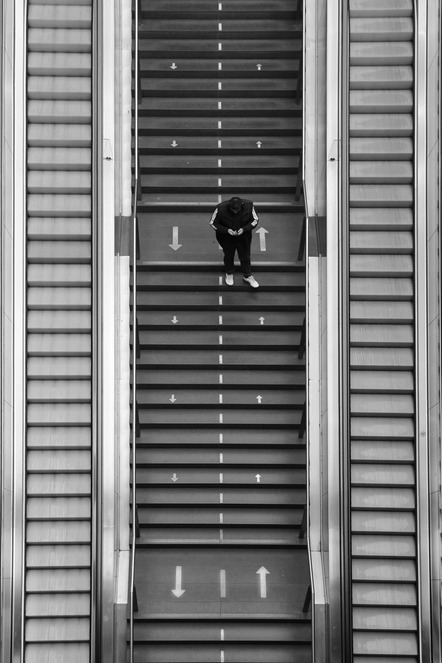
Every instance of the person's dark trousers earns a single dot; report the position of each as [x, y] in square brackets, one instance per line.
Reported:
[241, 244]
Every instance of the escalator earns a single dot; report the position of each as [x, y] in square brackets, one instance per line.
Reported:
[221, 569]
[58, 511]
[384, 544]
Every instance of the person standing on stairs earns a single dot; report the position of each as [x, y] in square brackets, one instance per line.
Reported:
[233, 220]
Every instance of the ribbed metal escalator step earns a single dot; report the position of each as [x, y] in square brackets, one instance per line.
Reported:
[58, 443]
[383, 535]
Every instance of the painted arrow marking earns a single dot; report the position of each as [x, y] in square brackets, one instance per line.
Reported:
[172, 398]
[175, 246]
[258, 478]
[262, 572]
[262, 320]
[173, 65]
[174, 477]
[259, 67]
[258, 142]
[174, 320]
[174, 144]
[178, 580]
[262, 232]
[259, 399]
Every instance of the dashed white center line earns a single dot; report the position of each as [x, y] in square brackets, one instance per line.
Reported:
[220, 6]
[220, 359]
[220, 66]
[221, 418]
[220, 163]
[221, 477]
[220, 300]
[220, 181]
[220, 46]
[220, 144]
[221, 317]
[222, 657]
[221, 379]
[220, 124]
[220, 26]
[220, 280]
[221, 438]
[220, 339]
[221, 458]
[221, 498]
[221, 518]
[222, 634]
[220, 85]
[220, 105]
[221, 534]
[220, 399]
[222, 583]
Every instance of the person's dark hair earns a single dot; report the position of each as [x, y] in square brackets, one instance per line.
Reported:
[235, 204]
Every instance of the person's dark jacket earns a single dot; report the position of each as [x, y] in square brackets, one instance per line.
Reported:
[224, 219]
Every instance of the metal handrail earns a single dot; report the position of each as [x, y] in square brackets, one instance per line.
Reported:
[134, 330]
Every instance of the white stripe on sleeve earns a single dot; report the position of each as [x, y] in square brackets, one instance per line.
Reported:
[213, 218]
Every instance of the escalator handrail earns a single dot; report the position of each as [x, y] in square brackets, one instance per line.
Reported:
[134, 330]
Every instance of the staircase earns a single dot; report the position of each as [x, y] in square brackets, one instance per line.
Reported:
[221, 561]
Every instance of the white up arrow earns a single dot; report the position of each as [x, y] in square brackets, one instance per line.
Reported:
[174, 477]
[259, 67]
[261, 320]
[259, 399]
[258, 478]
[258, 142]
[262, 232]
[262, 572]
[175, 246]
[179, 574]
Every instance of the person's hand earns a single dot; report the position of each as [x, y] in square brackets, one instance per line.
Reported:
[231, 232]
[240, 231]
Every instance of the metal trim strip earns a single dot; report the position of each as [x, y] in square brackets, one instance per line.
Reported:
[134, 336]
[334, 318]
[19, 416]
[95, 330]
[7, 339]
[344, 341]
[103, 641]
[421, 329]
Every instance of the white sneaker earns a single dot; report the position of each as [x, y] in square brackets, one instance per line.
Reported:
[251, 281]
[229, 279]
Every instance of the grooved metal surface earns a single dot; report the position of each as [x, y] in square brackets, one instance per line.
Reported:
[383, 530]
[221, 568]
[57, 600]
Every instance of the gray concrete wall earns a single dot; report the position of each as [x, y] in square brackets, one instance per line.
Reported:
[123, 210]
[314, 159]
